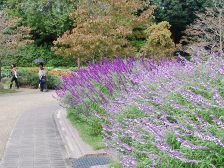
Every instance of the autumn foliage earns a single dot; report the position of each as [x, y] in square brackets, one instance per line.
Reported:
[101, 29]
[12, 37]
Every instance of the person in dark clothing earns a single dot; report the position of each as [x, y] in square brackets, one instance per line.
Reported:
[42, 79]
[14, 76]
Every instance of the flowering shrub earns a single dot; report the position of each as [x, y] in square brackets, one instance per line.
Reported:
[155, 115]
[96, 84]
[58, 73]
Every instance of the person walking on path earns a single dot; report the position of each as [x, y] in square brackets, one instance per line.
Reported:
[14, 76]
[42, 78]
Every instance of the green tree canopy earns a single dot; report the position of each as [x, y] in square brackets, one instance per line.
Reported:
[179, 13]
[48, 19]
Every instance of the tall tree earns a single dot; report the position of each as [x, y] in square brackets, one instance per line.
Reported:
[179, 13]
[101, 28]
[11, 38]
[48, 18]
[208, 29]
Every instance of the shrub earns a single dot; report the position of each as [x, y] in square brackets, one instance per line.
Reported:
[1, 86]
[32, 51]
[53, 82]
[6, 73]
[88, 88]
[27, 78]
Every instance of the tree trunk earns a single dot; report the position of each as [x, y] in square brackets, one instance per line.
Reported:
[78, 62]
[101, 58]
[220, 32]
[0, 70]
[93, 60]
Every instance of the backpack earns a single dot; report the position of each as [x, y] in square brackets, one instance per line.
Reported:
[43, 79]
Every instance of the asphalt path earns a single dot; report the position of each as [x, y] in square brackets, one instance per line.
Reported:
[28, 134]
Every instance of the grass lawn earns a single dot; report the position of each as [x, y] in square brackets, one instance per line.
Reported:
[96, 142]
[3, 91]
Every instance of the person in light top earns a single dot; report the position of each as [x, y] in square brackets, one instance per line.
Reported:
[14, 76]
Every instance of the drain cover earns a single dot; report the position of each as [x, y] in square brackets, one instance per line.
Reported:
[88, 161]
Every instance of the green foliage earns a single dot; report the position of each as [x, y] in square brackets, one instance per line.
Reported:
[178, 13]
[85, 130]
[48, 19]
[100, 30]
[25, 57]
[28, 78]
[208, 157]
[31, 79]
[12, 36]
[86, 115]
[159, 42]
[53, 82]
[5, 72]
[2, 3]
[115, 165]
[138, 44]
[131, 113]
[172, 141]
[96, 128]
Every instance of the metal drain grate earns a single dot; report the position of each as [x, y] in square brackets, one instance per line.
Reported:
[88, 161]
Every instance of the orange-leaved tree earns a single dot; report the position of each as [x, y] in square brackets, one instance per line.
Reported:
[101, 29]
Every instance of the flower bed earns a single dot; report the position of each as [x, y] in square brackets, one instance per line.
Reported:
[53, 72]
[154, 115]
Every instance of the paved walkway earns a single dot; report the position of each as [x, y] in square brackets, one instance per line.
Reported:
[34, 141]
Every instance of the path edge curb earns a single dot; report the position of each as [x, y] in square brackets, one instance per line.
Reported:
[74, 145]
